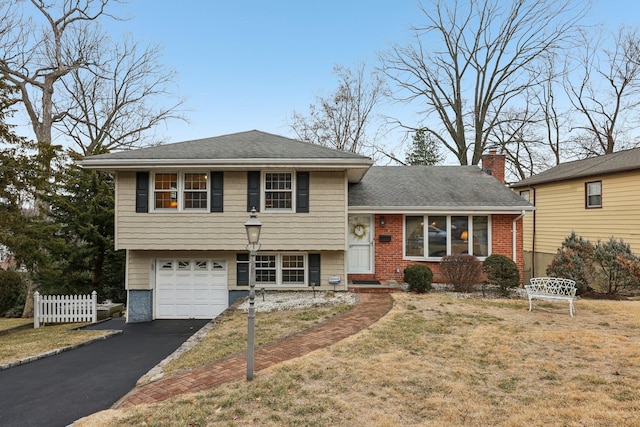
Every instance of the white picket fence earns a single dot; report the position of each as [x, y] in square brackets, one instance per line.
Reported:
[64, 308]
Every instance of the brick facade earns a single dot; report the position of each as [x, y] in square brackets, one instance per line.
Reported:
[389, 264]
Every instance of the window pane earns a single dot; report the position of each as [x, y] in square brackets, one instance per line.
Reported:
[278, 191]
[414, 245]
[293, 269]
[195, 191]
[195, 200]
[195, 181]
[481, 235]
[459, 235]
[437, 236]
[165, 193]
[266, 269]
[594, 194]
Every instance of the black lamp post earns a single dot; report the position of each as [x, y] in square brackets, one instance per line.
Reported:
[253, 236]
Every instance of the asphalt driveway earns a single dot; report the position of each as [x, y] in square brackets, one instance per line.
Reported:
[58, 390]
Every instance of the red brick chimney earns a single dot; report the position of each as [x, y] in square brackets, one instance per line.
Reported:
[493, 164]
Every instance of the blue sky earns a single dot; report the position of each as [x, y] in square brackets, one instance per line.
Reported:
[249, 64]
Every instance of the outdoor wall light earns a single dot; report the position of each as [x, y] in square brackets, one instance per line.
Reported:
[382, 221]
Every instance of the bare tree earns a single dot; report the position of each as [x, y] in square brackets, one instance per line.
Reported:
[471, 61]
[114, 106]
[75, 79]
[534, 136]
[605, 90]
[341, 119]
[37, 53]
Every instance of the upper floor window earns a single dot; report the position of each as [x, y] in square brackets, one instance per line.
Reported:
[525, 194]
[278, 190]
[180, 191]
[593, 194]
[434, 236]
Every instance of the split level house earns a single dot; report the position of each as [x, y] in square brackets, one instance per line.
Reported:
[329, 219]
[595, 198]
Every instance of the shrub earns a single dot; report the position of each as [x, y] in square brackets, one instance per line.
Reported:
[608, 266]
[12, 295]
[574, 260]
[462, 271]
[617, 267]
[501, 271]
[418, 277]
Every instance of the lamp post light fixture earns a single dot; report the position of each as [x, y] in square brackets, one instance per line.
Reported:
[253, 236]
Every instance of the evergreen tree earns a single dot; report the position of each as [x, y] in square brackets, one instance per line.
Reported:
[424, 150]
[83, 207]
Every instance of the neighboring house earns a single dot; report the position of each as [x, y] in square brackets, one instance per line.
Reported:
[326, 215]
[595, 198]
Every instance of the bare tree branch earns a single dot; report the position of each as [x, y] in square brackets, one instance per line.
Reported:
[471, 60]
[605, 90]
[340, 120]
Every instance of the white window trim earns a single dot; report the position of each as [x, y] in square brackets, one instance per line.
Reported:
[181, 191]
[263, 190]
[279, 269]
[449, 240]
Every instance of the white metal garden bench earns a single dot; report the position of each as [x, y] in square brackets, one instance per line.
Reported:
[552, 289]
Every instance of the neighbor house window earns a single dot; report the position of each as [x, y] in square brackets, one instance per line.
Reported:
[446, 235]
[281, 269]
[278, 190]
[594, 194]
[180, 191]
[525, 194]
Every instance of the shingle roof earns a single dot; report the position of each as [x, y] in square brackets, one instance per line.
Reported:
[436, 187]
[609, 163]
[243, 145]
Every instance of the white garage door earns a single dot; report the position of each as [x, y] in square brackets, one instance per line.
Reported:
[191, 289]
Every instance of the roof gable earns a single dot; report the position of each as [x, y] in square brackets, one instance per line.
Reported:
[243, 145]
[243, 150]
[621, 161]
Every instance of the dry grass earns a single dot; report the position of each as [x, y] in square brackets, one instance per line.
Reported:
[10, 323]
[31, 342]
[230, 335]
[438, 360]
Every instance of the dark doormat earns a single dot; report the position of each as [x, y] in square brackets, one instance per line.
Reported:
[365, 282]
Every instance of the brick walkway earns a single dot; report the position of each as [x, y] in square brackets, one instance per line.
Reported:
[370, 308]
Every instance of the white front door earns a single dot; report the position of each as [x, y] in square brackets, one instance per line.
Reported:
[360, 255]
[191, 288]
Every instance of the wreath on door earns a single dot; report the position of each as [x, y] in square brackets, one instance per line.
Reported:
[359, 230]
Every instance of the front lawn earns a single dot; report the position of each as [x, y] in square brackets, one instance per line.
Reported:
[435, 359]
[26, 343]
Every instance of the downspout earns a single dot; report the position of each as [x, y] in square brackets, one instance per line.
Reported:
[514, 237]
[533, 237]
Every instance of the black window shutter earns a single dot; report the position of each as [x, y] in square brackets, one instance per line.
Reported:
[302, 192]
[314, 269]
[217, 191]
[142, 191]
[242, 269]
[253, 190]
